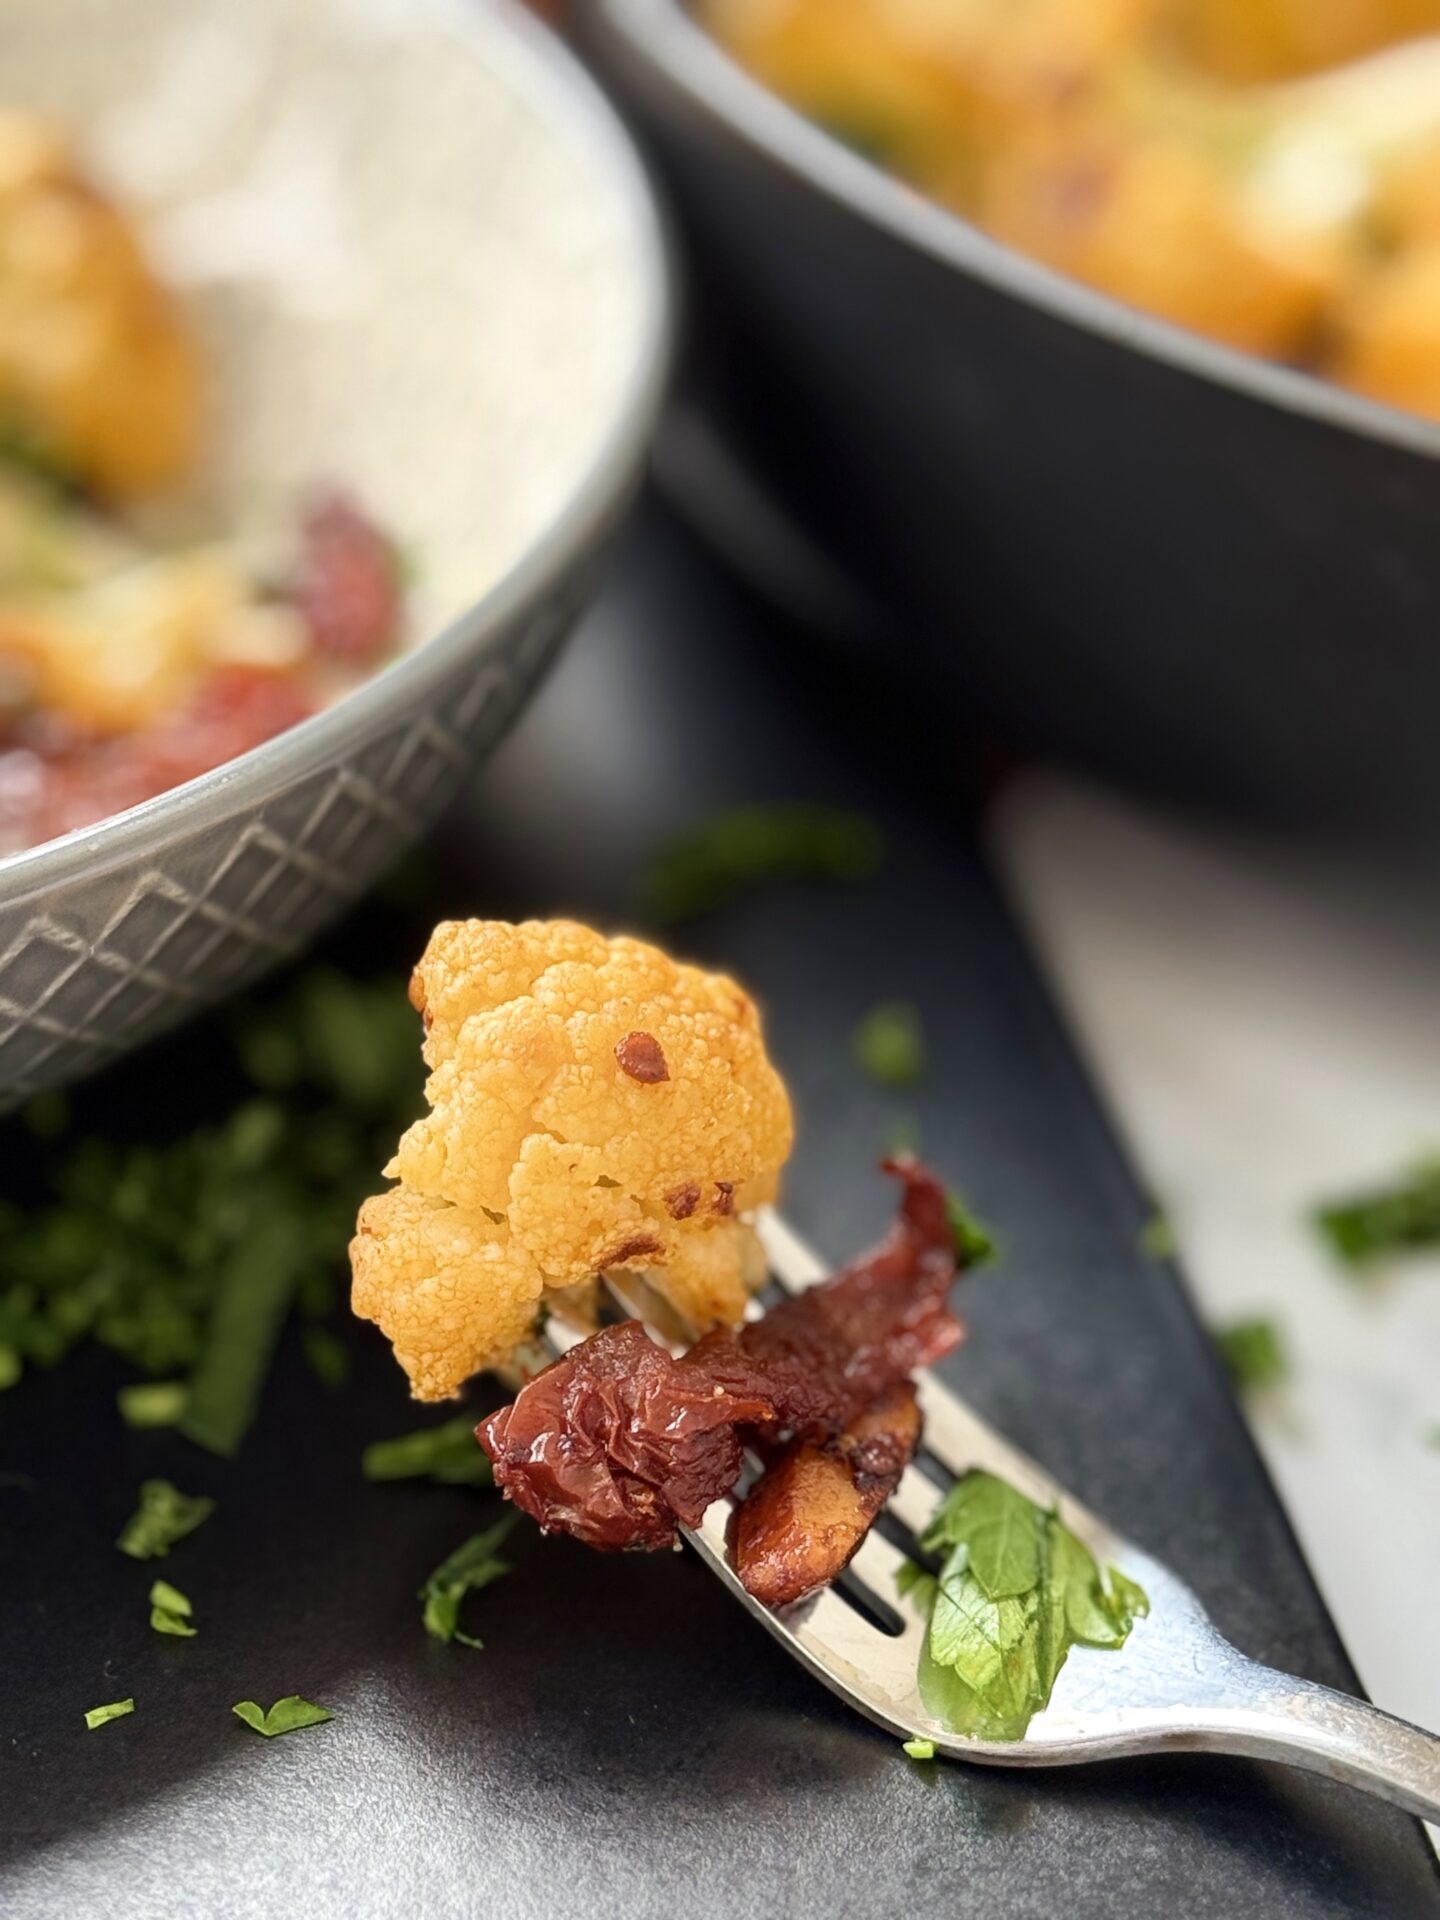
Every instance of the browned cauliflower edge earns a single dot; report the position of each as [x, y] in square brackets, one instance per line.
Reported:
[592, 1104]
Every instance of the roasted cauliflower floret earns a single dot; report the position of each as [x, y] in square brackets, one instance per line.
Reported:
[98, 370]
[451, 1290]
[593, 1104]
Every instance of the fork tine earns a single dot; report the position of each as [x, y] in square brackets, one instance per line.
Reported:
[914, 1501]
[955, 1437]
[826, 1630]
[793, 1261]
[1182, 1687]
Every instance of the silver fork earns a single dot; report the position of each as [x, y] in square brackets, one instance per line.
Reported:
[1176, 1686]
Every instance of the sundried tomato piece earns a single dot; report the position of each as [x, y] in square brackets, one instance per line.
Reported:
[348, 588]
[618, 1443]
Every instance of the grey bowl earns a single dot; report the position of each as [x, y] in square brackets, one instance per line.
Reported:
[507, 462]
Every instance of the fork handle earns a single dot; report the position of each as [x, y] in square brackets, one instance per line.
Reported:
[1274, 1716]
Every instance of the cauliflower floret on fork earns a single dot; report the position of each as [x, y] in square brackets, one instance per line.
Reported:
[593, 1104]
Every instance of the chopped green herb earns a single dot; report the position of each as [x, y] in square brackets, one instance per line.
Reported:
[117, 1710]
[153, 1403]
[735, 851]
[10, 1367]
[890, 1044]
[353, 1040]
[920, 1749]
[470, 1567]
[912, 1578]
[163, 1516]
[1015, 1592]
[256, 1289]
[449, 1453]
[1253, 1352]
[1399, 1219]
[170, 1610]
[187, 1254]
[326, 1354]
[975, 1246]
[1157, 1238]
[286, 1716]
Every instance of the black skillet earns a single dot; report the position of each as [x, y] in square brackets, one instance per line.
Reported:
[1104, 536]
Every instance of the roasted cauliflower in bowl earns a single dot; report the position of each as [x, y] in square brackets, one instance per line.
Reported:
[99, 369]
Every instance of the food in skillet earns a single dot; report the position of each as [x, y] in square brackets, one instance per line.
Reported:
[596, 1106]
[127, 667]
[618, 1443]
[1210, 161]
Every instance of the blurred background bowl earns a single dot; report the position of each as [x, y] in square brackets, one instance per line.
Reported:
[426, 265]
[1163, 559]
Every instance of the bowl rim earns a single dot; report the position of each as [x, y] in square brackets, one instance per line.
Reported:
[545, 74]
[663, 35]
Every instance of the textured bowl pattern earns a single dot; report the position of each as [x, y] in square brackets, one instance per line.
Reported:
[89, 970]
[425, 263]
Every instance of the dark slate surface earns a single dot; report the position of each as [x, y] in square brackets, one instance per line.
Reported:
[629, 1742]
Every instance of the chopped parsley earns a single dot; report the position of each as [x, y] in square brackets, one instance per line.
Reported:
[255, 1288]
[920, 1749]
[170, 1610]
[101, 1716]
[153, 1403]
[890, 1044]
[735, 851]
[186, 1256]
[975, 1246]
[163, 1516]
[470, 1567]
[326, 1355]
[449, 1453]
[1253, 1353]
[1399, 1219]
[286, 1716]
[1016, 1590]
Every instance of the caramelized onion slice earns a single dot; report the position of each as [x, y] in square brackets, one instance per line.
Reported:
[805, 1517]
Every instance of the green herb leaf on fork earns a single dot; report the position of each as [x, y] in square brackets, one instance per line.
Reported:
[1016, 1591]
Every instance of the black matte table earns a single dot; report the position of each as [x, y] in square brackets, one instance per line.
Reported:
[628, 1741]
